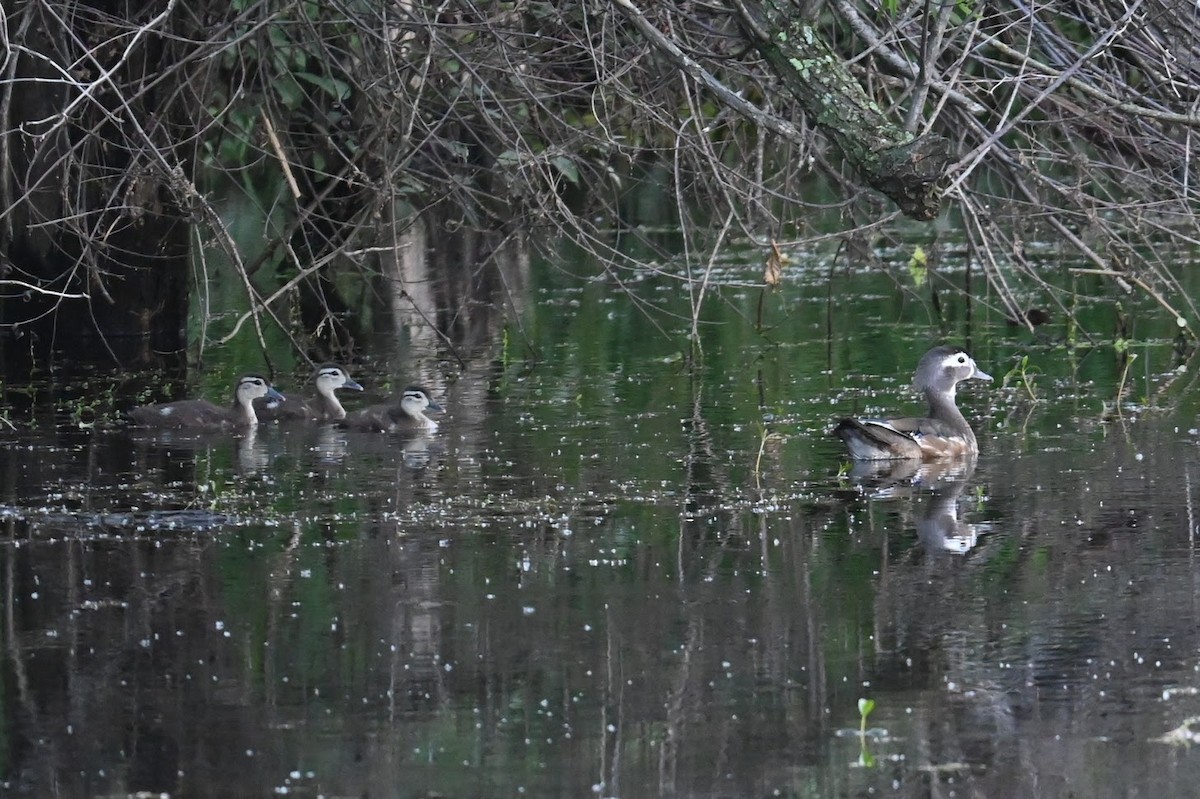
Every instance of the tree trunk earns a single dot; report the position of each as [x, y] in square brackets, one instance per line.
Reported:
[891, 160]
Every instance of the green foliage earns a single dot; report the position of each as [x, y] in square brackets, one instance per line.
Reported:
[865, 706]
[1128, 359]
[918, 266]
[1024, 374]
[566, 167]
[865, 758]
[964, 9]
[279, 71]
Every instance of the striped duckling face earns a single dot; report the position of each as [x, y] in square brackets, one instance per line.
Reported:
[414, 402]
[330, 378]
[251, 387]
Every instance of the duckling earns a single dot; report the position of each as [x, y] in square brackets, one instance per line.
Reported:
[408, 415]
[943, 434]
[201, 414]
[323, 407]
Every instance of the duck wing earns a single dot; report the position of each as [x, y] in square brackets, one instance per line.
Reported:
[376, 417]
[880, 439]
[914, 437]
[269, 409]
[198, 414]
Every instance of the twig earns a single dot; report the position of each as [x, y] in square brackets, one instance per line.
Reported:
[279, 154]
[62, 295]
[1179, 318]
[265, 303]
[694, 70]
[849, 13]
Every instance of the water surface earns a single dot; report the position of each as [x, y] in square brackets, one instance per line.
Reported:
[622, 571]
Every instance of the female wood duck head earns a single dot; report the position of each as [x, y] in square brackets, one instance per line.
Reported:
[943, 433]
[942, 369]
[201, 414]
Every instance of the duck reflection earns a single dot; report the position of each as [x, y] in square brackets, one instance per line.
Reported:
[418, 450]
[173, 452]
[938, 525]
[902, 476]
[934, 487]
[331, 445]
[252, 454]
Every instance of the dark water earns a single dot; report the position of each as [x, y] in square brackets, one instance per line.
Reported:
[616, 571]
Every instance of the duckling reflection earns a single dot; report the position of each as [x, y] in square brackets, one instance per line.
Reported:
[159, 451]
[252, 454]
[418, 450]
[331, 445]
[334, 446]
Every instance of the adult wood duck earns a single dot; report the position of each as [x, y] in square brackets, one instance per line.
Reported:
[324, 406]
[200, 414]
[943, 434]
[408, 414]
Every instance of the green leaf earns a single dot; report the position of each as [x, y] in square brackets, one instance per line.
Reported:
[918, 266]
[865, 706]
[336, 89]
[460, 150]
[566, 168]
[290, 93]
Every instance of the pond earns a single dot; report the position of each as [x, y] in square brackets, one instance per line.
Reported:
[617, 570]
